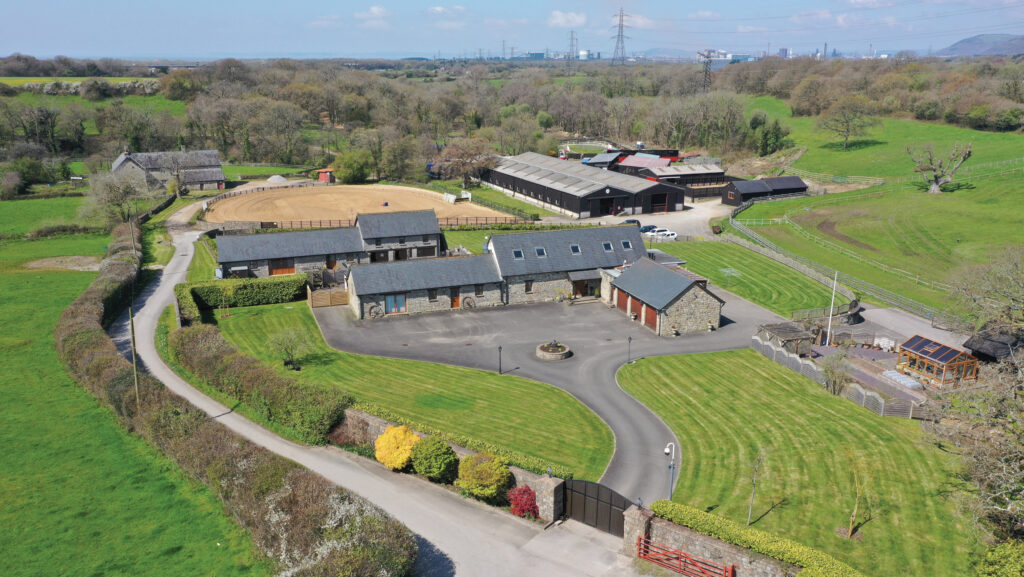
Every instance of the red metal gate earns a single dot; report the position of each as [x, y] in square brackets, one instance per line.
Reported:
[680, 562]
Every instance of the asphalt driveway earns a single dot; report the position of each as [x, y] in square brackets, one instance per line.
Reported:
[597, 335]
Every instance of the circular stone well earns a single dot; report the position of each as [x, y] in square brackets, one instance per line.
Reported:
[553, 351]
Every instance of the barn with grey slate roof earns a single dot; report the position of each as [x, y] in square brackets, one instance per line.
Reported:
[198, 169]
[270, 254]
[667, 300]
[391, 236]
[578, 189]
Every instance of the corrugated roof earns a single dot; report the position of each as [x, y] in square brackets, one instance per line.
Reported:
[246, 247]
[604, 157]
[392, 224]
[686, 170]
[652, 283]
[786, 183]
[930, 349]
[419, 274]
[751, 186]
[637, 161]
[572, 178]
[558, 252]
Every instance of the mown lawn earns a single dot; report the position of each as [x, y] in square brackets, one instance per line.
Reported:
[882, 151]
[751, 276]
[203, 262]
[19, 217]
[532, 418]
[726, 407]
[472, 240]
[503, 199]
[81, 496]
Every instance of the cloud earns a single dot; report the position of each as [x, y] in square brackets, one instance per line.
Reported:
[810, 17]
[637, 21]
[559, 19]
[450, 24]
[751, 29]
[704, 15]
[374, 18]
[328, 21]
[869, 3]
[446, 10]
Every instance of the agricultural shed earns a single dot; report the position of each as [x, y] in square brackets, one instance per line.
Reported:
[418, 286]
[270, 254]
[581, 190]
[938, 364]
[662, 298]
[742, 191]
[325, 175]
[197, 169]
[603, 160]
[681, 174]
[789, 336]
[632, 165]
[786, 184]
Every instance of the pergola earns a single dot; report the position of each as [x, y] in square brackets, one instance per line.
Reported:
[939, 364]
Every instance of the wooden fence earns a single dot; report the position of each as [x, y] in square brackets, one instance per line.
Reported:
[328, 297]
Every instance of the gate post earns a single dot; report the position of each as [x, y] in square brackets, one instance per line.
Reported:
[636, 526]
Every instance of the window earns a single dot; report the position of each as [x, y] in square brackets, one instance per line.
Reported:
[401, 241]
[425, 251]
[528, 286]
[607, 246]
[541, 253]
[431, 295]
[517, 254]
[376, 242]
[394, 304]
[574, 248]
[254, 264]
[627, 245]
[426, 238]
[478, 290]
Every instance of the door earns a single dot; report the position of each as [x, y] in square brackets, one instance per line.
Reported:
[579, 288]
[402, 254]
[622, 300]
[659, 202]
[282, 266]
[456, 300]
[651, 318]
[394, 304]
[332, 262]
[635, 306]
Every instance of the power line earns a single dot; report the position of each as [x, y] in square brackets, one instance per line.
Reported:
[706, 55]
[619, 57]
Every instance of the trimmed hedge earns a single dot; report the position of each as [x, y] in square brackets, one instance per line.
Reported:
[308, 412]
[525, 462]
[814, 562]
[195, 297]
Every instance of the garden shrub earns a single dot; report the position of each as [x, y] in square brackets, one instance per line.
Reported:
[523, 502]
[814, 562]
[247, 292]
[1003, 560]
[394, 448]
[484, 477]
[435, 460]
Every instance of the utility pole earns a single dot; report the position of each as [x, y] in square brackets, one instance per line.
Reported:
[619, 57]
[502, 49]
[824, 55]
[570, 57]
[706, 55]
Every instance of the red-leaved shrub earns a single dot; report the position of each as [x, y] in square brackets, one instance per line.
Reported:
[523, 502]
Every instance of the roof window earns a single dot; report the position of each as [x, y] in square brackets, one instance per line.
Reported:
[517, 254]
[574, 248]
[607, 246]
[541, 253]
[627, 245]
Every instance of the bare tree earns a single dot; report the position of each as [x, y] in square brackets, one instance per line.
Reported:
[289, 345]
[755, 468]
[466, 158]
[850, 116]
[113, 195]
[836, 371]
[938, 171]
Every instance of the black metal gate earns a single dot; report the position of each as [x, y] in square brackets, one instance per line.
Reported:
[593, 504]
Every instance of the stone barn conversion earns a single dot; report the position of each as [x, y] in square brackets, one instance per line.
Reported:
[272, 254]
[668, 300]
[194, 169]
[390, 236]
[578, 189]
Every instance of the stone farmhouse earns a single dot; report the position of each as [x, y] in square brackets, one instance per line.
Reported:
[195, 169]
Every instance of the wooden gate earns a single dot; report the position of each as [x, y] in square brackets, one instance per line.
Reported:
[651, 318]
[621, 300]
[593, 504]
[454, 294]
[680, 562]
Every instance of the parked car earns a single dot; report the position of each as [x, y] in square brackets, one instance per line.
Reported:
[647, 228]
[632, 221]
[655, 232]
[667, 235]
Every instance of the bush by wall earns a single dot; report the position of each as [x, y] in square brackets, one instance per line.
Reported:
[394, 448]
[1004, 560]
[308, 412]
[435, 460]
[295, 516]
[523, 502]
[484, 477]
[247, 292]
[814, 562]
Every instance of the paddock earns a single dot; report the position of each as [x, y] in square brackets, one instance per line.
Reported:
[337, 202]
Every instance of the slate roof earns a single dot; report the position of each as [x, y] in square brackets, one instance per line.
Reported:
[167, 160]
[246, 247]
[203, 175]
[652, 283]
[686, 170]
[662, 257]
[930, 349]
[558, 254]
[391, 224]
[751, 186]
[419, 274]
[572, 178]
[786, 183]
[604, 158]
[638, 161]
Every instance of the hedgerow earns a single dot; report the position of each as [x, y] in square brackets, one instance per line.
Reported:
[247, 292]
[814, 562]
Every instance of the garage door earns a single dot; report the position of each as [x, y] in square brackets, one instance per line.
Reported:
[635, 306]
[622, 300]
[282, 266]
[651, 318]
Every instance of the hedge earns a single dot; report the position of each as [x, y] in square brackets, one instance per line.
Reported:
[513, 458]
[195, 297]
[814, 562]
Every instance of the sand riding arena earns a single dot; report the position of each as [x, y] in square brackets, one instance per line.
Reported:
[341, 202]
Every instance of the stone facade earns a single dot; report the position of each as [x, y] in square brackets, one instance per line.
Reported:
[546, 287]
[419, 301]
[410, 247]
[261, 268]
[694, 311]
[641, 522]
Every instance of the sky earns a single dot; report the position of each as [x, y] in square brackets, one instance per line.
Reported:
[211, 29]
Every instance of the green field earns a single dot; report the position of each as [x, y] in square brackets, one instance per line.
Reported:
[472, 240]
[531, 418]
[23, 80]
[725, 407]
[81, 496]
[751, 276]
[203, 261]
[587, 148]
[20, 217]
[235, 171]
[882, 151]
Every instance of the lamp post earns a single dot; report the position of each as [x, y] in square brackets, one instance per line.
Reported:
[629, 349]
[499, 359]
[670, 450]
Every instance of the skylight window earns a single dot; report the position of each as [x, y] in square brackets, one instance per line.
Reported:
[627, 245]
[517, 254]
[607, 246]
[541, 253]
[574, 248]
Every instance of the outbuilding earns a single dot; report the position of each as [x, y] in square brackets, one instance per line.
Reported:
[686, 174]
[634, 164]
[937, 364]
[664, 299]
[272, 254]
[325, 175]
[786, 185]
[742, 191]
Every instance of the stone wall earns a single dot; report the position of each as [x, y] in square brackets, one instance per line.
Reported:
[641, 522]
[695, 311]
[387, 246]
[419, 301]
[546, 287]
[303, 264]
[359, 428]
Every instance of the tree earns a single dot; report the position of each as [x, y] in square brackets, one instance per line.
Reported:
[353, 166]
[836, 371]
[771, 137]
[113, 195]
[466, 158]
[755, 468]
[850, 116]
[936, 171]
[289, 344]
[1003, 560]
[394, 448]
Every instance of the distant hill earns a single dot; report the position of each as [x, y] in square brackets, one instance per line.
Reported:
[986, 45]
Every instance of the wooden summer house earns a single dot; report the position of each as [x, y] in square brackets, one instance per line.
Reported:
[937, 364]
